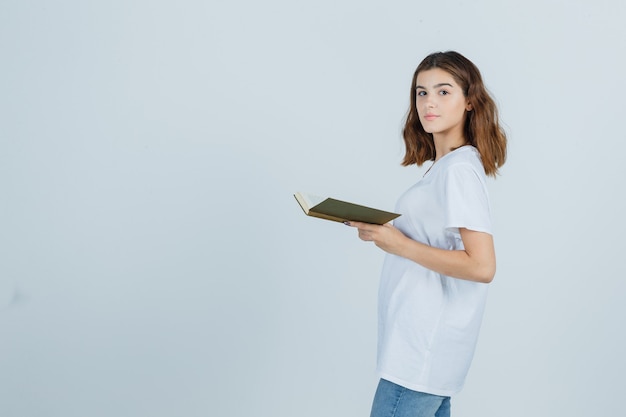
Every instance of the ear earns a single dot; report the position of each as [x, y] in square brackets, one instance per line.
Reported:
[468, 106]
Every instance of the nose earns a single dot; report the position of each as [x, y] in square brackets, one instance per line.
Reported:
[429, 102]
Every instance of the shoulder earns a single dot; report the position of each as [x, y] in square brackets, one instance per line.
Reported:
[466, 153]
[464, 182]
[464, 160]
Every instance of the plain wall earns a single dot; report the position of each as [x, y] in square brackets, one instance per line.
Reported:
[153, 261]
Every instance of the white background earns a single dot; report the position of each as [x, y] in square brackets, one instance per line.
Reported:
[153, 261]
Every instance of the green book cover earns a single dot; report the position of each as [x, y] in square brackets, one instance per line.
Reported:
[340, 211]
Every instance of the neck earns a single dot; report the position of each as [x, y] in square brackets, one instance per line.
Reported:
[445, 144]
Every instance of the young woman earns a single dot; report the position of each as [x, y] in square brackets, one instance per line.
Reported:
[440, 252]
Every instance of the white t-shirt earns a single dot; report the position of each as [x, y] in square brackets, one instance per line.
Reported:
[428, 322]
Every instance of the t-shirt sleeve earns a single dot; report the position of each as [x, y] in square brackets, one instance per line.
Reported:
[466, 200]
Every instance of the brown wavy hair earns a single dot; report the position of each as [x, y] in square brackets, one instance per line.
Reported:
[482, 128]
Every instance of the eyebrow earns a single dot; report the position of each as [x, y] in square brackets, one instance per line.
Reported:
[436, 85]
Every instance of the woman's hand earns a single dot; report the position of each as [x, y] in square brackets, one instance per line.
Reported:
[386, 237]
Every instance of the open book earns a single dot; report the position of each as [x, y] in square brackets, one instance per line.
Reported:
[341, 211]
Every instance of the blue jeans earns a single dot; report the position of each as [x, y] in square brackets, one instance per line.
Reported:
[392, 400]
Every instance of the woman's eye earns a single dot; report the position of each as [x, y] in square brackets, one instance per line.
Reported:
[444, 93]
[421, 93]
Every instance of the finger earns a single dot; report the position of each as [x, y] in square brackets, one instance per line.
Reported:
[358, 225]
[366, 226]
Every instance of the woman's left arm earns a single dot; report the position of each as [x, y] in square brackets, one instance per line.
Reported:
[477, 262]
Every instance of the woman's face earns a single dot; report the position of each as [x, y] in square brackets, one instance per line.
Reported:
[441, 104]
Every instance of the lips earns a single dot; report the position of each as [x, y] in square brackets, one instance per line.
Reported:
[430, 117]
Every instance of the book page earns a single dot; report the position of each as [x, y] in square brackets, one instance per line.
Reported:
[312, 200]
